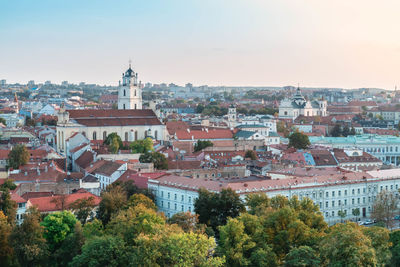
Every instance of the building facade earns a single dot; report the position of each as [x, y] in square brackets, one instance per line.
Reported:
[298, 105]
[334, 195]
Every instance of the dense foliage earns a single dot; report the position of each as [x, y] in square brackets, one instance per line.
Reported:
[299, 140]
[130, 231]
[18, 156]
[201, 144]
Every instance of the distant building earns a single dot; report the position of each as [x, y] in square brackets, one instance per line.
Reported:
[298, 105]
[3, 82]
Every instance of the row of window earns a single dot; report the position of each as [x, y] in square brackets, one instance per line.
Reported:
[175, 206]
[182, 197]
[353, 201]
[126, 135]
[354, 191]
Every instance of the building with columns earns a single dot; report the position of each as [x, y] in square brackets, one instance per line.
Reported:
[129, 121]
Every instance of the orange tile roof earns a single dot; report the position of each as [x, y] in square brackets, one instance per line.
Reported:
[48, 204]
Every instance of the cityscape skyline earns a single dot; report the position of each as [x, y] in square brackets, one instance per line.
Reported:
[219, 43]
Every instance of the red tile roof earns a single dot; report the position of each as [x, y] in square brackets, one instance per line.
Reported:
[85, 159]
[114, 117]
[17, 198]
[199, 134]
[49, 203]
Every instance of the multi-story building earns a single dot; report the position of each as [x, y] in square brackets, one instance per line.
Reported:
[334, 194]
[383, 147]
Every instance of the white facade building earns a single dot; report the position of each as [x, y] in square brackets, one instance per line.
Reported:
[298, 105]
[331, 193]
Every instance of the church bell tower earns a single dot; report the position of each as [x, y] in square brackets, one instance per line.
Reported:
[130, 91]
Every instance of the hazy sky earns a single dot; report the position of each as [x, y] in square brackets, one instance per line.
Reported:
[331, 43]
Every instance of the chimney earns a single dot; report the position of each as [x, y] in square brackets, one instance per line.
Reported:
[188, 130]
[38, 171]
[206, 129]
[45, 168]
[26, 173]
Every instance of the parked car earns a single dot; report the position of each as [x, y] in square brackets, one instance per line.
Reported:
[360, 223]
[368, 221]
[397, 217]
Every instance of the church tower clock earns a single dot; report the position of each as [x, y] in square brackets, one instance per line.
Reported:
[130, 92]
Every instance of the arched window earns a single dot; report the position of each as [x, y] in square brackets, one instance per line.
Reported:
[126, 137]
[84, 133]
[104, 135]
[155, 134]
[135, 92]
[135, 135]
[94, 135]
[124, 106]
[135, 106]
[124, 92]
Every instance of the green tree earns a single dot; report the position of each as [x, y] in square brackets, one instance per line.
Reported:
[200, 145]
[385, 208]
[92, 229]
[3, 121]
[394, 240]
[158, 159]
[130, 223]
[112, 200]
[7, 205]
[102, 251]
[70, 247]
[110, 139]
[188, 221]
[346, 131]
[83, 208]
[380, 240]
[250, 154]
[299, 140]
[6, 251]
[215, 208]
[18, 156]
[114, 146]
[336, 131]
[137, 199]
[303, 256]
[175, 249]
[356, 213]
[57, 226]
[346, 245]
[199, 108]
[342, 214]
[29, 245]
[8, 184]
[352, 131]
[281, 128]
[142, 146]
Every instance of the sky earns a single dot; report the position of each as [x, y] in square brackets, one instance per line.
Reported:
[316, 43]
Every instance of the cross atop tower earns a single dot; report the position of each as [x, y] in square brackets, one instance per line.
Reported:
[130, 62]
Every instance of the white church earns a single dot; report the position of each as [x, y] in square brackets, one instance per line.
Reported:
[298, 105]
[129, 121]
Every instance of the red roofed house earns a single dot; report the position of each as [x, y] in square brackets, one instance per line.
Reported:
[185, 139]
[55, 203]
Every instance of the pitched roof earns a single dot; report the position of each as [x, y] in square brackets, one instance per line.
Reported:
[114, 117]
[108, 168]
[207, 135]
[49, 203]
[85, 159]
